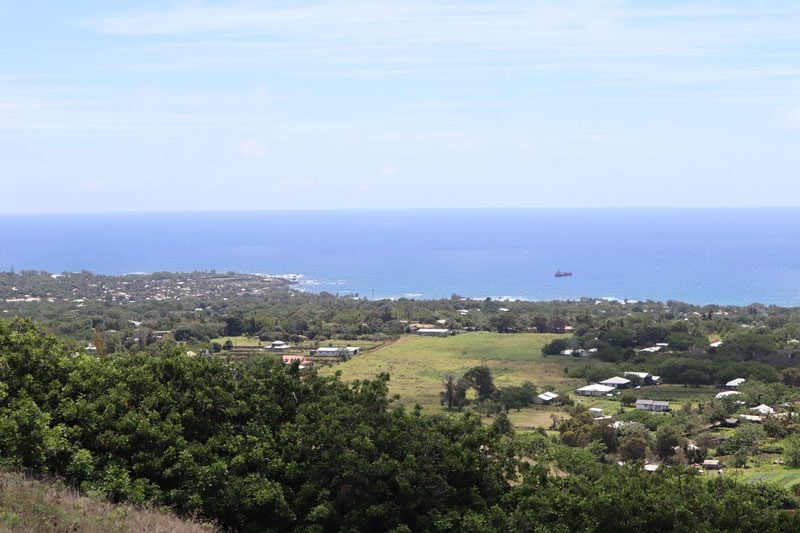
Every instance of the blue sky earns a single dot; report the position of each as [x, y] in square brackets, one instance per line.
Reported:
[204, 105]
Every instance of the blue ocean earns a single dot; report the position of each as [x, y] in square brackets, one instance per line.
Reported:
[701, 256]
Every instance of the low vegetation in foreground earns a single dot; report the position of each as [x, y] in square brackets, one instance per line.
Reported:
[28, 505]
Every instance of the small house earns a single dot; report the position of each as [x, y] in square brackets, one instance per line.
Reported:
[545, 398]
[278, 347]
[652, 405]
[646, 377]
[433, 332]
[328, 351]
[752, 418]
[336, 351]
[731, 422]
[734, 383]
[711, 464]
[595, 389]
[726, 393]
[616, 382]
[763, 410]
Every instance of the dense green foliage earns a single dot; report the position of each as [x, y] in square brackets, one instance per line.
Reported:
[253, 445]
[258, 445]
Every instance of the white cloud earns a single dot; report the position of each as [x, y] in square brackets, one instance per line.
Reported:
[389, 170]
[253, 148]
[631, 42]
[94, 185]
[794, 119]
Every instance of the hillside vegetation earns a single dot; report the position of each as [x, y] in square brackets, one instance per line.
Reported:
[30, 505]
[257, 445]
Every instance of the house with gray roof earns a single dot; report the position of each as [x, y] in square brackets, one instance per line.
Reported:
[652, 405]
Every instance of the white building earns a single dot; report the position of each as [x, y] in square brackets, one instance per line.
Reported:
[616, 382]
[545, 398]
[595, 389]
[278, 346]
[433, 332]
[652, 405]
[763, 410]
[752, 418]
[646, 377]
[336, 351]
[734, 383]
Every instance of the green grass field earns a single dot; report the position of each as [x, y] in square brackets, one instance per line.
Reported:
[784, 476]
[418, 364]
[238, 340]
[678, 394]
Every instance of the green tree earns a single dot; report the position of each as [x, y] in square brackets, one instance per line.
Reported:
[480, 378]
[633, 448]
[791, 376]
[556, 346]
[747, 437]
[516, 397]
[628, 398]
[791, 450]
[668, 438]
[454, 393]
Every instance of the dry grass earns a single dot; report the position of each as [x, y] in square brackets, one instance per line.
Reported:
[538, 416]
[27, 505]
[417, 364]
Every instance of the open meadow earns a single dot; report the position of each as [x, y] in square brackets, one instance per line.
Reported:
[781, 475]
[418, 364]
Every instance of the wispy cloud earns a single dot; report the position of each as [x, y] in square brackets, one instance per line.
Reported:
[253, 148]
[448, 40]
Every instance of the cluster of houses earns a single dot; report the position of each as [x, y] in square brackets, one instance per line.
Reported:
[583, 352]
[608, 386]
[756, 414]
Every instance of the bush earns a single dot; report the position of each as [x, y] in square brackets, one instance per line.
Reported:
[555, 347]
[628, 398]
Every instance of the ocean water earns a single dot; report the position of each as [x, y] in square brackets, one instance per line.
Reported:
[720, 256]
